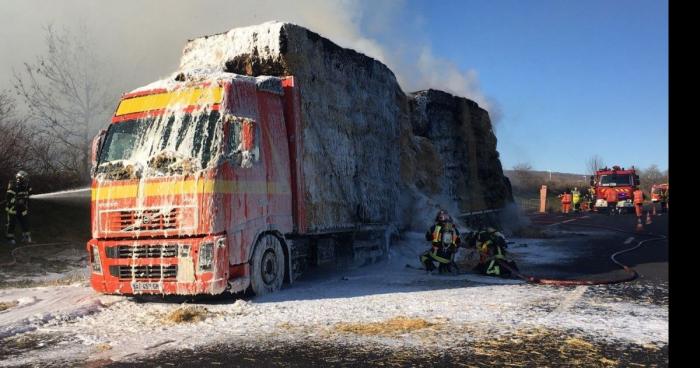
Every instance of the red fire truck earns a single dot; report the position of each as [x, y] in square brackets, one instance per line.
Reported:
[657, 190]
[620, 180]
[198, 188]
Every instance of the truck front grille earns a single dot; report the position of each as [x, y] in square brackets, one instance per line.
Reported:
[150, 219]
[144, 272]
[142, 251]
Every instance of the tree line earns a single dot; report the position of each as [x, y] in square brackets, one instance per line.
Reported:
[56, 105]
[526, 182]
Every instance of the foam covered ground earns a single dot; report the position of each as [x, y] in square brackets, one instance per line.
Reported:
[82, 325]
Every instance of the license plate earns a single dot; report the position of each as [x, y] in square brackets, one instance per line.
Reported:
[146, 286]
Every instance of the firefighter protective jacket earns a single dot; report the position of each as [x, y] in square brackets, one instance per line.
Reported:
[17, 198]
[434, 235]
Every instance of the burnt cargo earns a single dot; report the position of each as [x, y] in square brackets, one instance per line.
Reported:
[365, 141]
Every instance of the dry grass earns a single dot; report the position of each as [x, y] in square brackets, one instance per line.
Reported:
[187, 314]
[394, 326]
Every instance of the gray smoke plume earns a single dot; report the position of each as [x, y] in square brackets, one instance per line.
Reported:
[143, 40]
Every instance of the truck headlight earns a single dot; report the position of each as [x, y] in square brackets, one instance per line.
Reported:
[206, 257]
[96, 265]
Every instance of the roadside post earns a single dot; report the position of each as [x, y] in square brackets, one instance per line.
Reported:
[543, 198]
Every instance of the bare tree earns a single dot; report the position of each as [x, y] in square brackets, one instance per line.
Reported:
[594, 163]
[15, 140]
[524, 179]
[650, 176]
[68, 98]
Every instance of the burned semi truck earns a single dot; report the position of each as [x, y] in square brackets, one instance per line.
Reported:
[198, 188]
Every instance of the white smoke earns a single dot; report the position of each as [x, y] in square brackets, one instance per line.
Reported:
[145, 39]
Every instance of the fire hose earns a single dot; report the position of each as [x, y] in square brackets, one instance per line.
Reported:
[14, 251]
[631, 271]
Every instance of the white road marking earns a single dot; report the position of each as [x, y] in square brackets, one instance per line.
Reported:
[563, 222]
[629, 240]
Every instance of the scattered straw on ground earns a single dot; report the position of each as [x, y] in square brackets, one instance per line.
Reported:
[538, 347]
[394, 326]
[577, 344]
[8, 305]
[187, 314]
[103, 347]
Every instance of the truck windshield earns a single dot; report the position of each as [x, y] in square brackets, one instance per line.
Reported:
[615, 180]
[161, 145]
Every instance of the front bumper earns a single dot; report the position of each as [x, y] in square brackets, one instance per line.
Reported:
[185, 266]
[627, 203]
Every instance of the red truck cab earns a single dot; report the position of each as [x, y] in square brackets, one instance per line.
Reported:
[657, 190]
[618, 179]
[193, 189]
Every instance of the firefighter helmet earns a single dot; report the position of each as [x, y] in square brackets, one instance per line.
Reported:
[442, 216]
[22, 175]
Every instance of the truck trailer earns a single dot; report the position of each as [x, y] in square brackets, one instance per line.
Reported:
[198, 188]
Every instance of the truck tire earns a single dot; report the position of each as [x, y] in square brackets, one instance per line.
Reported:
[267, 265]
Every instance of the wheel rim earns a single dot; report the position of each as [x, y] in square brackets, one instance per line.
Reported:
[268, 267]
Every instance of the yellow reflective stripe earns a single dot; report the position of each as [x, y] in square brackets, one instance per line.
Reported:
[11, 191]
[436, 233]
[183, 97]
[189, 187]
[440, 259]
[493, 269]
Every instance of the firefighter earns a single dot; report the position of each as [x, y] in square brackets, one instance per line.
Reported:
[639, 197]
[576, 199]
[565, 201]
[591, 199]
[663, 200]
[611, 198]
[444, 240]
[638, 200]
[491, 245]
[17, 207]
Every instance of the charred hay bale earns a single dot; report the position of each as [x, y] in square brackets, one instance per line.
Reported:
[367, 144]
[462, 135]
[350, 114]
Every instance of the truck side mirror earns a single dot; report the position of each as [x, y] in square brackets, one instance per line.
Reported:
[636, 180]
[243, 143]
[247, 135]
[592, 181]
[96, 146]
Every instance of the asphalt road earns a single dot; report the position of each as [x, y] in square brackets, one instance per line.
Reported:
[595, 237]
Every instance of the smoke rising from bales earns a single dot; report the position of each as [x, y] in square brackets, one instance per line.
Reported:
[143, 40]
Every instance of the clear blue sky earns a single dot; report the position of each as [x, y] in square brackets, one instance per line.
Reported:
[572, 78]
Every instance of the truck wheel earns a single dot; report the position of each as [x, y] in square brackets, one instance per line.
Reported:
[267, 265]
